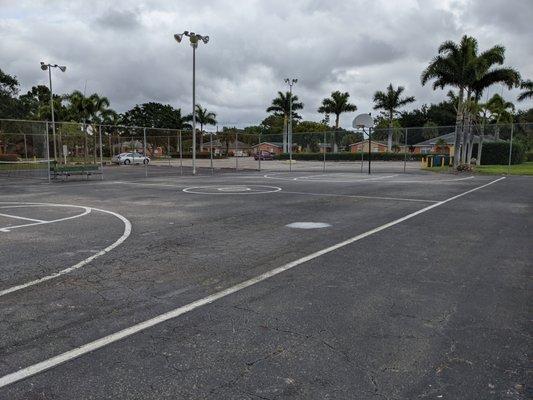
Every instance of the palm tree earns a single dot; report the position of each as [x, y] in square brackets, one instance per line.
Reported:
[528, 90]
[281, 106]
[389, 102]
[203, 117]
[501, 111]
[88, 110]
[460, 66]
[336, 104]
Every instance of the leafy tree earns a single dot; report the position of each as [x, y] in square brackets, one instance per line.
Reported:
[460, 66]
[155, 115]
[10, 106]
[336, 104]
[528, 90]
[389, 102]
[281, 106]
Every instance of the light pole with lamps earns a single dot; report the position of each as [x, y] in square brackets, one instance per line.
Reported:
[194, 38]
[49, 67]
[290, 82]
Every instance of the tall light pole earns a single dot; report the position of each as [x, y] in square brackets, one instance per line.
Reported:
[290, 82]
[194, 38]
[49, 67]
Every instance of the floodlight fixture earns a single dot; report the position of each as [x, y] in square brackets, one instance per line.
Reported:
[62, 68]
[193, 39]
[290, 82]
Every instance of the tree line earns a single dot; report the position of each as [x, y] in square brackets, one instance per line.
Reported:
[459, 66]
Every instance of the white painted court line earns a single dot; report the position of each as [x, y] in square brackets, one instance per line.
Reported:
[86, 211]
[361, 179]
[363, 197]
[19, 217]
[114, 337]
[125, 234]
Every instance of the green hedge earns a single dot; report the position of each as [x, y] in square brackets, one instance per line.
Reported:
[200, 154]
[497, 153]
[351, 156]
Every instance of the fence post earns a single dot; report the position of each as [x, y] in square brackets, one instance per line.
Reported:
[236, 158]
[211, 150]
[25, 148]
[101, 150]
[181, 154]
[510, 151]
[405, 152]
[48, 151]
[168, 150]
[144, 152]
[324, 153]
[259, 152]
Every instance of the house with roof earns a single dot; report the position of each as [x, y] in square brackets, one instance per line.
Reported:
[240, 149]
[443, 144]
[363, 146]
[270, 147]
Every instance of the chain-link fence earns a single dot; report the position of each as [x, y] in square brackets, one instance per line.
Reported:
[36, 149]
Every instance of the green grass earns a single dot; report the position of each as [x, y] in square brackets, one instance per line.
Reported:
[518, 169]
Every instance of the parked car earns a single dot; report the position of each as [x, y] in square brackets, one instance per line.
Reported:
[264, 155]
[130, 158]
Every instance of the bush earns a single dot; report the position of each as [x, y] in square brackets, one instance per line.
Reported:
[199, 154]
[9, 157]
[529, 156]
[351, 156]
[497, 153]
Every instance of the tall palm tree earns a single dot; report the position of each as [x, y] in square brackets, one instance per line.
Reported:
[528, 90]
[336, 104]
[501, 111]
[281, 106]
[203, 117]
[88, 110]
[460, 66]
[390, 101]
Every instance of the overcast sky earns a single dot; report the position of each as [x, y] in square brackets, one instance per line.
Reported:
[125, 49]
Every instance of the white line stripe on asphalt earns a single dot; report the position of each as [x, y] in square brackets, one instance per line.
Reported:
[127, 231]
[19, 217]
[114, 337]
[362, 197]
[86, 211]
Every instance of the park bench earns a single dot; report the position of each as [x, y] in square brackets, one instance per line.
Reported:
[57, 170]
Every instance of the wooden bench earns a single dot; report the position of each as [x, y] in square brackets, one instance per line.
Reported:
[57, 170]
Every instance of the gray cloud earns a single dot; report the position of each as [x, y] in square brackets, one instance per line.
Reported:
[125, 50]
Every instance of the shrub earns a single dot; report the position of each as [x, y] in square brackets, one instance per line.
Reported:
[9, 157]
[351, 156]
[529, 156]
[497, 153]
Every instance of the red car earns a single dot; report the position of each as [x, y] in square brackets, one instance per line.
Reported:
[264, 155]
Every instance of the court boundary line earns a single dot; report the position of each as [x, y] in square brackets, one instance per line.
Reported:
[120, 240]
[362, 197]
[119, 335]
[362, 180]
[87, 210]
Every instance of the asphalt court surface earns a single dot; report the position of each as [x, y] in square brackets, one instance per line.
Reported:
[416, 289]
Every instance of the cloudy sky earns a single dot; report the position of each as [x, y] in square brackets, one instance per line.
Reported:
[125, 49]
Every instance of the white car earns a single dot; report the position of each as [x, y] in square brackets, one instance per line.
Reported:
[130, 158]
